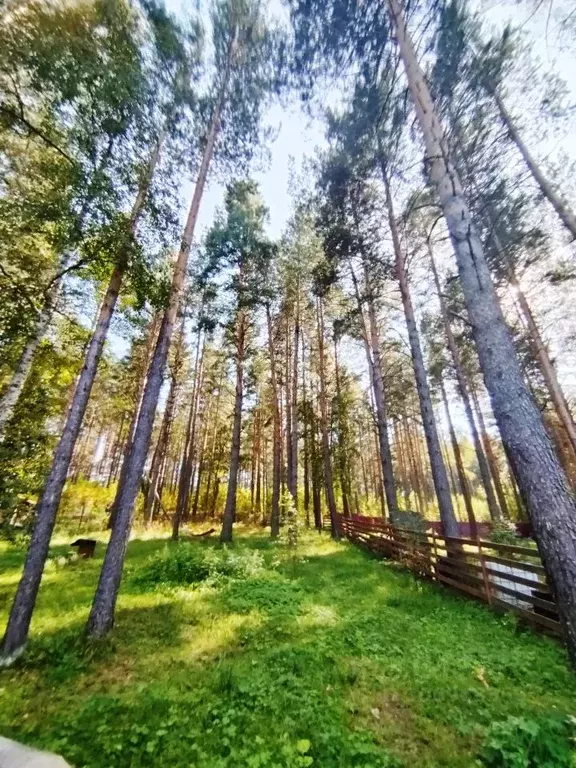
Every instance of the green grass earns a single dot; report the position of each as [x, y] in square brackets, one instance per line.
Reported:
[330, 659]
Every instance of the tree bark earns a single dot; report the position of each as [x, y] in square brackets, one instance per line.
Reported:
[344, 485]
[230, 507]
[565, 214]
[305, 429]
[462, 479]
[189, 444]
[101, 617]
[25, 599]
[328, 480]
[492, 460]
[12, 394]
[277, 434]
[493, 507]
[541, 479]
[293, 480]
[164, 436]
[439, 476]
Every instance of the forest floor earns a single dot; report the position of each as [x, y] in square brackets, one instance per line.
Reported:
[323, 658]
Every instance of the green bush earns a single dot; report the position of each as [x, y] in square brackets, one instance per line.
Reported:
[504, 532]
[186, 564]
[520, 742]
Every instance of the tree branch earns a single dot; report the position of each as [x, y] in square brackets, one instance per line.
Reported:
[36, 131]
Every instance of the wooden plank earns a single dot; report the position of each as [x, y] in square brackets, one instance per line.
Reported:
[516, 579]
[527, 551]
[532, 567]
[459, 575]
[535, 618]
[462, 587]
[546, 605]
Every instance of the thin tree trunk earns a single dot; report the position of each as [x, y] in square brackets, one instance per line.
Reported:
[306, 441]
[463, 480]
[25, 599]
[230, 507]
[293, 484]
[277, 435]
[101, 617]
[492, 460]
[151, 337]
[493, 507]
[14, 390]
[374, 359]
[159, 456]
[541, 479]
[190, 442]
[328, 481]
[565, 214]
[449, 522]
[341, 447]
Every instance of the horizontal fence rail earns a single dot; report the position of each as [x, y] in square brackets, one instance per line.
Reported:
[505, 576]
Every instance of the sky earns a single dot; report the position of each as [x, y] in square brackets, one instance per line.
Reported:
[298, 137]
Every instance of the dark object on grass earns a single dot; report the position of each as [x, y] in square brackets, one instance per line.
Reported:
[204, 533]
[86, 547]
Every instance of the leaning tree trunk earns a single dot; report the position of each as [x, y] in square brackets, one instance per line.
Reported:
[277, 433]
[344, 484]
[537, 344]
[230, 507]
[293, 426]
[463, 480]
[328, 479]
[541, 479]
[14, 390]
[565, 214]
[439, 476]
[492, 459]
[381, 411]
[25, 599]
[184, 483]
[101, 617]
[493, 507]
[371, 341]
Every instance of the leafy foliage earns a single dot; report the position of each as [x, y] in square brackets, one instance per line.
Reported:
[187, 564]
[521, 742]
[340, 662]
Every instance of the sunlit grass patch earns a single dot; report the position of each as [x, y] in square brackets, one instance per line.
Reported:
[280, 658]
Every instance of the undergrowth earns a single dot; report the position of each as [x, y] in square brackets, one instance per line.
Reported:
[317, 657]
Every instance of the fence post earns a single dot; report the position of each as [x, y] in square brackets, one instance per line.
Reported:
[485, 577]
[435, 569]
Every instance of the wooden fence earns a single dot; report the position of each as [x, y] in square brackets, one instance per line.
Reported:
[504, 576]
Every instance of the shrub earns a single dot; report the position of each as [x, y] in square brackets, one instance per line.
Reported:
[186, 564]
[173, 566]
[504, 532]
[520, 742]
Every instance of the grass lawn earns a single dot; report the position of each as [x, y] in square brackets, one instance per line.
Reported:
[328, 659]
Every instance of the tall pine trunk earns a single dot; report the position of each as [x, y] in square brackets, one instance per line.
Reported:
[185, 480]
[230, 507]
[439, 476]
[541, 479]
[462, 479]
[101, 617]
[159, 455]
[565, 213]
[328, 478]
[493, 507]
[277, 432]
[45, 518]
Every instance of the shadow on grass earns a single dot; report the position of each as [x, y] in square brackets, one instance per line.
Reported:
[346, 658]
